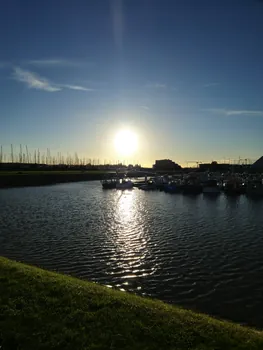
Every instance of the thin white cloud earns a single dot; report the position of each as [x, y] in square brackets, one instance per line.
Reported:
[211, 85]
[145, 107]
[49, 62]
[230, 112]
[155, 86]
[34, 81]
[241, 112]
[55, 63]
[76, 87]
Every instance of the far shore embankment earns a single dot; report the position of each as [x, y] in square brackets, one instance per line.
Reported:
[10, 179]
[26, 179]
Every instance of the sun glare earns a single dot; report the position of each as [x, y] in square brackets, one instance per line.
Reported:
[126, 142]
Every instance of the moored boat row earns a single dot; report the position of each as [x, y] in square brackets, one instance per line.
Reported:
[192, 184]
[115, 183]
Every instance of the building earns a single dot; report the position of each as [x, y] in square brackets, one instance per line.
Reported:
[258, 165]
[224, 167]
[166, 165]
[214, 166]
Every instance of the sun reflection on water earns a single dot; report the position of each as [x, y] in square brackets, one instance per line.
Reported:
[132, 251]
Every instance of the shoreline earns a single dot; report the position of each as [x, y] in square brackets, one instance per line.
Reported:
[47, 310]
[45, 179]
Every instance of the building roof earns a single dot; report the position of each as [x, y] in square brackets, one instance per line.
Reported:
[258, 163]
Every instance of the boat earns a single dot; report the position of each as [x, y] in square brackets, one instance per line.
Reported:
[173, 187]
[255, 188]
[192, 189]
[150, 185]
[234, 187]
[161, 182]
[192, 185]
[211, 187]
[108, 184]
[138, 183]
[124, 184]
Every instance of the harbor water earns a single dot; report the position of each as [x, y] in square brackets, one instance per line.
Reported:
[200, 252]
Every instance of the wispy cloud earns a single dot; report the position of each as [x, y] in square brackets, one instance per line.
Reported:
[34, 81]
[230, 112]
[49, 63]
[76, 87]
[211, 85]
[145, 107]
[155, 86]
[54, 62]
[241, 112]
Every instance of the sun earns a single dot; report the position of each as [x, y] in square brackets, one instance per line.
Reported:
[126, 142]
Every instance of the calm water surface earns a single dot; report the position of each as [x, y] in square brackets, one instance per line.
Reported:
[202, 253]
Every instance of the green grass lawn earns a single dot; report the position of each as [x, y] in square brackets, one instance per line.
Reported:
[44, 310]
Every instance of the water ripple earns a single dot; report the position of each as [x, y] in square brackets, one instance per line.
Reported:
[202, 253]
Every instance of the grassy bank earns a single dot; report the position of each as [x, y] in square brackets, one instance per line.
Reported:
[41, 178]
[51, 172]
[44, 310]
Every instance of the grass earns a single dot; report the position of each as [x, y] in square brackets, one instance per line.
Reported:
[44, 310]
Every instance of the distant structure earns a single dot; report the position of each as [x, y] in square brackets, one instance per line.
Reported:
[258, 165]
[166, 165]
[226, 167]
[214, 166]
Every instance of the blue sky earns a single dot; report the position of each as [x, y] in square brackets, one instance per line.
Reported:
[185, 75]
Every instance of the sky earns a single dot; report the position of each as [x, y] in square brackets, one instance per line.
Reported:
[186, 76]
